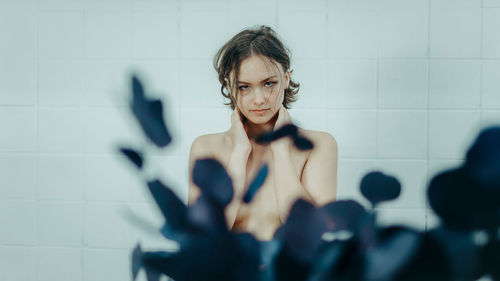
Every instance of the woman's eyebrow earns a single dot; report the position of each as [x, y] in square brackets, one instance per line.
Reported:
[242, 82]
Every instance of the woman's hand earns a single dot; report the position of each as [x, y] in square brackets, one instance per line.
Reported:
[239, 135]
[283, 119]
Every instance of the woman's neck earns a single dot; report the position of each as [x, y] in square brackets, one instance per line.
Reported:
[253, 130]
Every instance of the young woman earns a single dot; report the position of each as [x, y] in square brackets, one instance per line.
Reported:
[254, 72]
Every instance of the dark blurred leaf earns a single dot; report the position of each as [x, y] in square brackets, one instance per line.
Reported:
[286, 130]
[483, 161]
[490, 255]
[213, 180]
[136, 261]
[378, 187]
[300, 234]
[344, 215]
[303, 143]
[134, 156]
[456, 198]
[339, 261]
[149, 114]
[394, 250]
[428, 263]
[206, 216]
[257, 182]
[172, 208]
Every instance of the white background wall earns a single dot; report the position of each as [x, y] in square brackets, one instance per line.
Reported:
[403, 85]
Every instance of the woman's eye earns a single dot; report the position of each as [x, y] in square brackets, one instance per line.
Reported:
[243, 87]
[269, 83]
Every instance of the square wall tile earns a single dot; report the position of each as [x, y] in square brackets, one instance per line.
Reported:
[350, 174]
[454, 4]
[61, 34]
[155, 5]
[402, 134]
[201, 5]
[491, 3]
[455, 33]
[18, 127]
[490, 118]
[18, 81]
[17, 219]
[104, 130]
[199, 84]
[61, 82]
[454, 84]
[60, 177]
[29, 5]
[312, 77]
[19, 34]
[352, 34]
[108, 34]
[202, 33]
[344, 87]
[412, 174]
[403, 5]
[106, 264]
[255, 13]
[490, 85]
[105, 226]
[60, 224]
[106, 178]
[17, 263]
[306, 38]
[107, 82]
[310, 119]
[59, 5]
[69, 261]
[60, 129]
[451, 133]
[355, 132]
[17, 176]
[198, 121]
[155, 35]
[412, 218]
[352, 5]
[298, 5]
[404, 33]
[108, 5]
[402, 84]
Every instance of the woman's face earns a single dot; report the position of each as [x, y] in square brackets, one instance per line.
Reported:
[261, 88]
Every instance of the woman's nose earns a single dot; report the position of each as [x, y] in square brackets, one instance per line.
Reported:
[260, 97]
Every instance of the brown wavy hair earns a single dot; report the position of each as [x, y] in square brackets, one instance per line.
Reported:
[260, 40]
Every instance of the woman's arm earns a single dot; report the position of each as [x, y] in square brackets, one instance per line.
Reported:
[319, 176]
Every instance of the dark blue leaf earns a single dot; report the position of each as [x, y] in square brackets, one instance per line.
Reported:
[149, 114]
[378, 187]
[134, 156]
[303, 143]
[286, 130]
[213, 180]
[344, 215]
[172, 208]
[257, 182]
[136, 261]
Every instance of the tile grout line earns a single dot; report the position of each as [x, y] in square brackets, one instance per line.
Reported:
[429, 22]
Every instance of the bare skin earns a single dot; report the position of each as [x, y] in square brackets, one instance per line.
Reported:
[311, 175]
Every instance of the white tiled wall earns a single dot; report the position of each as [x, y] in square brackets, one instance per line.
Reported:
[403, 85]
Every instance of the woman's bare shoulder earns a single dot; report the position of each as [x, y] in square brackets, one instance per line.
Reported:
[209, 144]
[319, 137]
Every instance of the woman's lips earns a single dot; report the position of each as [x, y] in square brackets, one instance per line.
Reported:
[259, 111]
